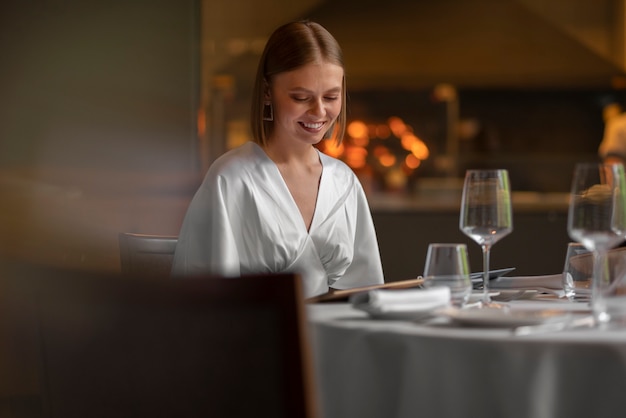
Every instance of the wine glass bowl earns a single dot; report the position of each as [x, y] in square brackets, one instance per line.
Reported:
[597, 219]
[486, 215]
[591, 209]
[448, 265]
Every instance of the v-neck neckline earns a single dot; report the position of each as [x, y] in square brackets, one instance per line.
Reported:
[291, 198]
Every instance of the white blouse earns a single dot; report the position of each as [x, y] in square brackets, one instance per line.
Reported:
[243, 220]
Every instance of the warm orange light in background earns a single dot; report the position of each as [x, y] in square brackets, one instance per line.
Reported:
[356, 157]
[396, 179]
[420, 150]
[331, 148]
[391, 150]
[412, 162]
[380, 150]
[357, 129]
[407, 140]
[361, 142]
[387, 160]
[383, 131]
[397, 126]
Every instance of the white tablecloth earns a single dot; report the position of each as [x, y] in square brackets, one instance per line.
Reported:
[399, 369]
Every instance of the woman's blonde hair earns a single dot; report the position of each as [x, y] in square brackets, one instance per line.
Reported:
[292, 46]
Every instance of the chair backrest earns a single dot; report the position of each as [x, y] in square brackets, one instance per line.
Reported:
[201, 347]
[146, 255]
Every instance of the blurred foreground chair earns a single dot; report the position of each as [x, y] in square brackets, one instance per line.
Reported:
[146, 255]
[200, 347]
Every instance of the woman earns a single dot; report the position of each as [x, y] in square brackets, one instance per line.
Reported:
[278, 204]
[613, 146]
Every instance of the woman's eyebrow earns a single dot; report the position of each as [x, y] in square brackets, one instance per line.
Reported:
[305, 90]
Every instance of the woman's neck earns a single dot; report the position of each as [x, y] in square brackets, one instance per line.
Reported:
[291, 153]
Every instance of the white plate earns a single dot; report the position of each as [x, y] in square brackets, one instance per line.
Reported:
[415, 315]
[502, 318]
[503, 295]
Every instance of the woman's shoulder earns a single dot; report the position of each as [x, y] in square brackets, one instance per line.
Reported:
[236, 160]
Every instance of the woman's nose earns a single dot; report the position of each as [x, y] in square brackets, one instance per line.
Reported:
[317, 108]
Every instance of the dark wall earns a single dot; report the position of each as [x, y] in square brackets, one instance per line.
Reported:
[98, 102]
[536, 246]
[107, 83]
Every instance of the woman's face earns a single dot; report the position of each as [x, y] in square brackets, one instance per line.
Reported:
[306, 101]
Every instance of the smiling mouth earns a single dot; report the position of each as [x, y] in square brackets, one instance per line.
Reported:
[313, 126]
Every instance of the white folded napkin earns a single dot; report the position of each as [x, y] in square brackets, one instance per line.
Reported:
[552, 281]
[401, 304]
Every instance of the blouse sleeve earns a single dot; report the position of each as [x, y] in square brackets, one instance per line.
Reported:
[206, 243]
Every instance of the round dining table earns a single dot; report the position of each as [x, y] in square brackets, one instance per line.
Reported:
[389, 368]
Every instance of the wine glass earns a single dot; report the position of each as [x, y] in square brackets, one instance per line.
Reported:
[577, 272]
[448, 265]
[597, 219]
[486, 215]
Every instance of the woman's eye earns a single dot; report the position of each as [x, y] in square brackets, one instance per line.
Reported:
[305, 98]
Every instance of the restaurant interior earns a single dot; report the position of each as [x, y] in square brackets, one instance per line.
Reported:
[112, 111]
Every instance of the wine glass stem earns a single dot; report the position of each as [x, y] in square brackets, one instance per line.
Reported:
[486, 298]
[598, 285]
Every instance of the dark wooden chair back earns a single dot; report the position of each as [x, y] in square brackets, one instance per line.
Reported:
[197, 347]
[146, 255]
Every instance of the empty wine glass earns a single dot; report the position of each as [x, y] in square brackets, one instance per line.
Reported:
[448, 265]
[597, 219]
[577, 272]
[486, 215]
